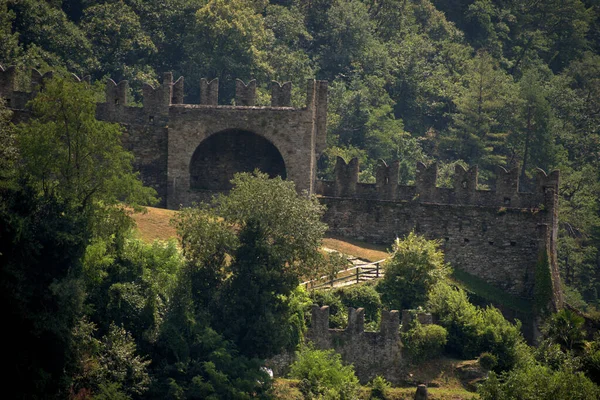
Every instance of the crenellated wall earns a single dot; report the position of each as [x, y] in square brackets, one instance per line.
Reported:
[496, 235]
[372, 353]
[165, 133]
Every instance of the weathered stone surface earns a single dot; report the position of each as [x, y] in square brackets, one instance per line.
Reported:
[495, 235]
[372, 353]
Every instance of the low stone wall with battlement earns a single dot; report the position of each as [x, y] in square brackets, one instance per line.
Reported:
[372, 353]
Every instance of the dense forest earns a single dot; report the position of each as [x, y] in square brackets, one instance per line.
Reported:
[475, 82]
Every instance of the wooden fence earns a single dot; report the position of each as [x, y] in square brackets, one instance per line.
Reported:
[350, 276]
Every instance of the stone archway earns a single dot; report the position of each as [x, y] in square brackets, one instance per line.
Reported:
[225, 153]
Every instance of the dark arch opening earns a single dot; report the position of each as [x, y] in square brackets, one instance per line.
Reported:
[225, 153]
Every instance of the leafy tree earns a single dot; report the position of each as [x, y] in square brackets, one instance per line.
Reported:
[46, 31]
[535, 145]
[424, 342]
[233, 42]
[69, 154]
[8, 150]
[120, 45]
[290, 221]
[322, 374]
[195, 360]
[473, 330]
[9, 40]
[566, 329]
[253, 301]
[362, 296]
[483, 116]
[41, 243]
[415, 266]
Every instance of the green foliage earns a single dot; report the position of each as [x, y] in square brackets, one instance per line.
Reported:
[484, 109]
[414, 267]
[8, 149]
[338, 311]
[565, 328]
[195, 360]
[424, 342]
[253, 300]
[290, 221]
[380, 388]
[67, 153]
[42, 241]
[323, 374]
[591, 359]
[362, 296]
[538, 382]
[488, 361]
[119, 363]
[472, 330]
[119, 43]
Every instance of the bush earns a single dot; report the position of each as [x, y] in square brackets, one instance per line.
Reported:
[538, 382]
[424, 342]
[322, 374]
[338, 313]
[379, 388]
[364, 296]
[473, 330]
[415, 266]
[488, 361]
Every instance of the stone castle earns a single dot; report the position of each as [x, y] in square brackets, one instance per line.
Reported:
[188, 152]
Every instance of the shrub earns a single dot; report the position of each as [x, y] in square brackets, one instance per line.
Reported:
[322, 374]
[538, 382]
[415, 266]
[488, 361]
[424, 342]
[379, 388]
[364, 296]
[473, 330]
[338, 314]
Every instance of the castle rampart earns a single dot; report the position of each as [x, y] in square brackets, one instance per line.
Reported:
[165, 133]
[372, 353]
[495, 235]
[187, 152]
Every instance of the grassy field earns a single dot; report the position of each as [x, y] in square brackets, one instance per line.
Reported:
[155, 225]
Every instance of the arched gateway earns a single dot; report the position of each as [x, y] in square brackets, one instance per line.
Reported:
[190, 151]
[218, 158]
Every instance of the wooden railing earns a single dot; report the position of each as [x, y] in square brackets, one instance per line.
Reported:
[350, 276]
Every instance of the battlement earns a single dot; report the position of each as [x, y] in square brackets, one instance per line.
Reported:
[372, 353]
[465, 192]
[157, 100]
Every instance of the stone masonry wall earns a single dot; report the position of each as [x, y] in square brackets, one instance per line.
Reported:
[372, 353]
[164, 134]
[496, 235]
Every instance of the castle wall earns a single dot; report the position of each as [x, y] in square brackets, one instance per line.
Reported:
[164, 133]
[372, 353]
[288, 129]
[495, 235]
